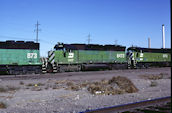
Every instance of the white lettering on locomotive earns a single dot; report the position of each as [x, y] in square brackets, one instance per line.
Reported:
[165, 56]
[32, 55]
[120, 55]
[71, 55]
[141, 54]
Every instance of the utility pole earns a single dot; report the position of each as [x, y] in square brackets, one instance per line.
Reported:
[89, 39]
[37, 30]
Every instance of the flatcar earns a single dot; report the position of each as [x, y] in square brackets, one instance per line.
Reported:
[19, 57]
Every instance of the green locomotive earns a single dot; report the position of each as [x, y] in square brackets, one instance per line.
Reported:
[76, 57]
[19, 57]
[144, 57]
[23, 57]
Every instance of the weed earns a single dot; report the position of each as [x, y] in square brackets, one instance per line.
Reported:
[30, 84]
[36, 89]
[163, 74]
[12, 88]
[124, 84]
[54, 87]
[3, 105]
[2, 89]
[116, 85]
[75, 87]
[154, 77]
[153, 84]
[69, 83]
[21, 83]
[40, 84]
[8, 88]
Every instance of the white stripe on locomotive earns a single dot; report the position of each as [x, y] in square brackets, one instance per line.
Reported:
[52, 57]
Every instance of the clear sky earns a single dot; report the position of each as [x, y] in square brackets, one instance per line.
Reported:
[125, 22]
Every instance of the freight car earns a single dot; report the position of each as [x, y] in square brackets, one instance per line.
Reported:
[76, 57]
[145, 57]
[19, 57]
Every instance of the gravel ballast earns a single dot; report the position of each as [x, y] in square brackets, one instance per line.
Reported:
[50, 93]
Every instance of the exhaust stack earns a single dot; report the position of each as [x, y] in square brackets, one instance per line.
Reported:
[149, 43]
[163, 36]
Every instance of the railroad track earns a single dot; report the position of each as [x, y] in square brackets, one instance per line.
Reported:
[52, 75]
[132, 106]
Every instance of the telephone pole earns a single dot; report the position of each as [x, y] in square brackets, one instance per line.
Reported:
[37, 30]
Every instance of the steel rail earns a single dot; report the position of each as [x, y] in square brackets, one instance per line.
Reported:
[130, 106]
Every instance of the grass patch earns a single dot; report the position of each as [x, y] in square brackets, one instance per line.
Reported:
[40, 84]
[54, 87]
[69, 83]
[12, 88]
[163, 74]
[21, 83]
[36, 89]
[116, 85]
[30, 84]
[8, 88]
[3, 105]
[124, 84]
[2, 89]
[153, 77]
[153, 84]
[71, 86]
[75, 87]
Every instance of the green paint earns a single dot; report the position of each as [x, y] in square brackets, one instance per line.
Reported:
[19, 57]
[152, 57]
[89, 56]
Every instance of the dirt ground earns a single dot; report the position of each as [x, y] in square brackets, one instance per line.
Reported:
[72, 92]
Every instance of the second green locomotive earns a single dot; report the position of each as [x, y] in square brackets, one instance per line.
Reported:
[145, 57]
[76, 57]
